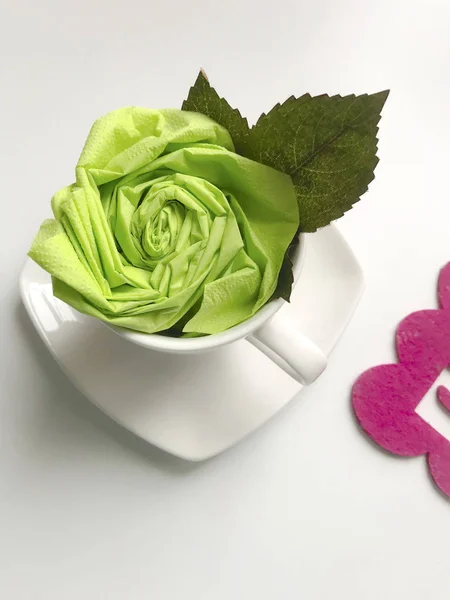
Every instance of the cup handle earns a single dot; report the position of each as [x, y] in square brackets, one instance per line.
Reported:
[282, 342]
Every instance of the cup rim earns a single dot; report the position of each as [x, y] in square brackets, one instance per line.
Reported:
[162, 343]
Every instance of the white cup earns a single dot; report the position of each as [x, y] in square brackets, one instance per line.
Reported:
[272, 333]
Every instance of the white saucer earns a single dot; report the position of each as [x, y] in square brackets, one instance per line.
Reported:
[195, 406]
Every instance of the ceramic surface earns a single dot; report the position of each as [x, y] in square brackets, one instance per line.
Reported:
[196, 405]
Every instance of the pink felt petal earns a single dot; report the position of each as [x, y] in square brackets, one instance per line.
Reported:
[385, 398]
[438, 462]
[423, 343]
[444, 287]
[444, 396]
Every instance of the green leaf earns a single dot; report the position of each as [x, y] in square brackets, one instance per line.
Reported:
[286, 276]
[326, 144]
[203, 98]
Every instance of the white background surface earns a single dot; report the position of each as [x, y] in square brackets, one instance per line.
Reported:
[306, 507]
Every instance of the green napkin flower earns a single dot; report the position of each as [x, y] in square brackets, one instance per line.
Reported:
[166, 227]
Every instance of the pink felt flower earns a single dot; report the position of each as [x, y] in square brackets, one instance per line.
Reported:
[385, 397]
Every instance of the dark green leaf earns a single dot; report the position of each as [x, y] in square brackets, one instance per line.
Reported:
[204, 99]
[285, 276]
[328, 146]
